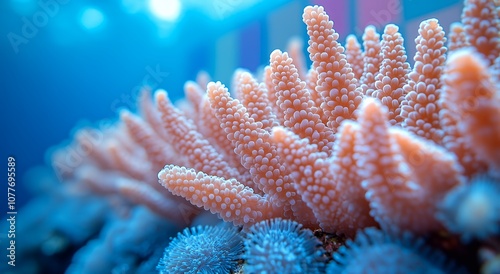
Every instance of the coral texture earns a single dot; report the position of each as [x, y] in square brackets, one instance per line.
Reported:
[359, 139]
[375, 251]
[310, 150]
[279, 245]
[200, 249]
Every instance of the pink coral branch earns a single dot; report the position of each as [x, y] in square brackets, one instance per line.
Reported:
[354, 55]
[258, 155]
[393, 74]
[229, 198]
[371, 59]
[420, 108]
[201, 155]
[254, 97]
[457, 38]
[402, 188]
[336, 81]
[472, 96]
[482, 24]
[295, 101]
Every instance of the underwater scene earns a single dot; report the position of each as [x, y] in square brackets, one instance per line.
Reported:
[250, 136]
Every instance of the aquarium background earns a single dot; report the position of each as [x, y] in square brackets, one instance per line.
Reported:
[69, 63]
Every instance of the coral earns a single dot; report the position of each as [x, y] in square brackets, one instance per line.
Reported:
[472, 210]
[283, 246]
[294, 100]
[457, 38]
[58, 221]
[393, 73]
[336, 83]
[335, 176]
[209, 249]
[124, 244]
[482, 25]
[375, 251]
[404, 176]
[344, 177]
[239, 203]
[471, 95]
[339, 147]
[371, 59]
[119, 159]
[354, 55]
[420, 110]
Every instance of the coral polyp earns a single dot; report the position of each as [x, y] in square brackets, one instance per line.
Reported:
[202, 250]
[376, 251]
[279, 245]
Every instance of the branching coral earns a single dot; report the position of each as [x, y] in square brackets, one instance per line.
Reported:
[360, 139]
[420, 109]
[404, 176]
[336, 83]
[471, 95]
[393, 73]
[370, 167]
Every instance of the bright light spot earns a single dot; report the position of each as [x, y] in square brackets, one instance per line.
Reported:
[92, 18]
[167, 10]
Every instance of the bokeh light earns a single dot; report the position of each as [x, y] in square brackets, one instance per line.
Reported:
[92, 18]
[165, 10]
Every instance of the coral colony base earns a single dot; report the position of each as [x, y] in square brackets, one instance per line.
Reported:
[359, 164]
